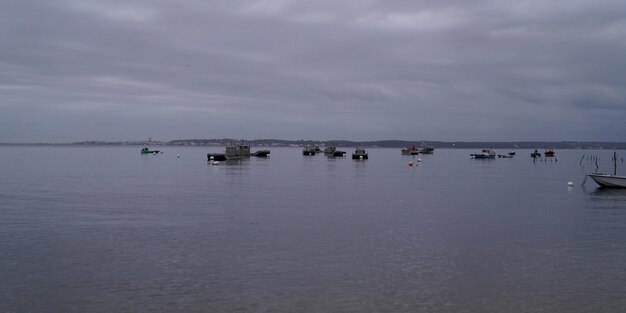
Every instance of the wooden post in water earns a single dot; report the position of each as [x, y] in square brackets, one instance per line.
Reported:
[614, 163]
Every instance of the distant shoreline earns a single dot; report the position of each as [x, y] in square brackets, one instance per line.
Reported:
[348, 143]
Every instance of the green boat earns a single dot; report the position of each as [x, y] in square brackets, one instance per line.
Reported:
[148, 151]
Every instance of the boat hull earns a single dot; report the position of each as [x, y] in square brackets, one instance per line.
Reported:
[335, 154]
[609, 181]
[148, 151]
[261, 153]
[485, 154]
[216, 157]
[409, 151]
[359, 156]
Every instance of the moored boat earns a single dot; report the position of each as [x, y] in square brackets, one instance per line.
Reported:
[549, 153]
[359, 154]
[234, 152]
[332, 151]
[308, 150]
[145, 150]
[410, 151]
[535, 154]
[609, 181]
[484, 154]
[261, 153]
[424, 149]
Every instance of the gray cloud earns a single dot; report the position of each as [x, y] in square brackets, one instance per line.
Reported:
[441, 70]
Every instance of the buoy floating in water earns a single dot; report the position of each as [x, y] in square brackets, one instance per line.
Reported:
[410, 163]
[570, 184]
[419, 160]
[215, 162]
[178, 156]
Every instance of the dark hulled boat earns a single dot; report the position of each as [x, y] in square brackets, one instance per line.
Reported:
[484, 154]
[235, 152]
[333, 152]
[359, 154]
[423, 149]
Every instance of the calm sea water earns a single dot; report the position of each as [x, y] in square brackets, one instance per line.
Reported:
[104, 229]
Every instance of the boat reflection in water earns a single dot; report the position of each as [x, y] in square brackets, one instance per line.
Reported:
[608, 198]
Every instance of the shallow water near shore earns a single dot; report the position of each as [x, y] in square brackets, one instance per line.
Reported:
[105, 229]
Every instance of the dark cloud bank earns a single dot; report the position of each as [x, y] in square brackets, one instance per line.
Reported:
[361, 70]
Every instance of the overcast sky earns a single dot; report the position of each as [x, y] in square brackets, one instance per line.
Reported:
[453, 70]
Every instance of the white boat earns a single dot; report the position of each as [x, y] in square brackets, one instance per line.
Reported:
[607, 180]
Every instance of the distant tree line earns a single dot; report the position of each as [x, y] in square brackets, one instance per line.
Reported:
[407, 143]
[348, 143]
